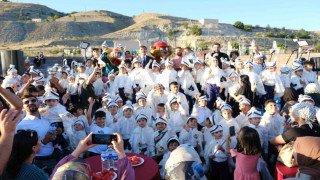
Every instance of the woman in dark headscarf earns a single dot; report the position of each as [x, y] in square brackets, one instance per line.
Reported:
[245, 89]
[289, 99]
[308, 159]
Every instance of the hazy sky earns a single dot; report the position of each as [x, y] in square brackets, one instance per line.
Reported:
[295, 14]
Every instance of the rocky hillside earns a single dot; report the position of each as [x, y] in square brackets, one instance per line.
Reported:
[59, 29]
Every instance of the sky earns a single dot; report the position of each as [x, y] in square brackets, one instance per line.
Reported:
[291, 14]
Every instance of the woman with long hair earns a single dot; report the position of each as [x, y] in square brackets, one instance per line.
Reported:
[26, 145]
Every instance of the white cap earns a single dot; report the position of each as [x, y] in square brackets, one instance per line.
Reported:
[284, 69]
[140, 96]
[79, 122]
[141, 116]
[128, 105]
[248, 63]
[169, 63]
[226, 62]
[12, 69]
[39, 79]
[304, 98]
[212, 121]
[155, 64]
[106, 98]
[219, 100]
[136, 60]
[197, 61]
[104, 44]
[238, 61]
[259, 56]
[215, 128]
[298, 68]
[160, 120]
[52, 95]
[225, 107]
[254, 113]
[172, 139]
[244, 101]
[173, 100]
[52, 71]
[122, 65]
[233, 74]
[272, 64]
[112, 103]
[118, 98]
[203, 98]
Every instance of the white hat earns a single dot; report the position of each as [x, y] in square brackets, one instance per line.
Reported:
[104, 44]
[118, 98]
[219, 100]
[259, 56]
[169, 63]
[52, 71]
[52, 95]
[215, 128]
[39, 79]
[203, 98]
[272, 64]
[213, 58]
[211, 119]
[295, 64]
[141, 116]
[122, 65]
[197, 61]
[303, 97]
[34, 71]
[112, 103]
[173, 100]
[106, 98]
[248, 63]
[226, 62]
[284, 69]
[12, 69]
[155, 64]
[79, 122]
[298, 68]
[173, 138]
[136, 60]
[238, 61]
[254, 113]
[140, 96]
[184, 63]
[191, 117]
[225, 107]
[128, 105]
[298, 61]
[120, 46]
[160, 120]
[244, 101]
[233, 74]
[111, 73]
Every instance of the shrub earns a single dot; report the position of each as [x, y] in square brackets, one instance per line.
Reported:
[203, 46]
[303, 34]
[281, 46]
[258, 34]
[268, 27]
[195, 30]
[55, 17]
[283, 34]
[185, 25]
[78, 51]
[238, 25]
[318, 46]
[257, 26]
[270, 34]
[171, 32]
[234, 45]
[247, 28]
[55, 51]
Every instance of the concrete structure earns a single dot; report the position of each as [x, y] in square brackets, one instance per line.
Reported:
[209, 21]
[36, 20]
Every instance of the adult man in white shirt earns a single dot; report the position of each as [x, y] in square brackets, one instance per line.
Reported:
[34, 121]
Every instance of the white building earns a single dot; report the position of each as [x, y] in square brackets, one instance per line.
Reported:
[209, 22]
[36, 20]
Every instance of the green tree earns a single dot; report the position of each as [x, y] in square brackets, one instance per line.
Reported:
[185, 25]
[234, 45]
[270, 34]
[5, 1]
[281, 45]
[303, 34]
[283, 34]
[203, 46]
[247, 27]
[50, 19]
[171, 32]
[257, 26]
[258, 34]
[238, 24]
[55, 17]
[195, 30]
[283, 28]
[318, 46]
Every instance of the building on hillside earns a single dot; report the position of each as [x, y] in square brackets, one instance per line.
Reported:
[36, 20]
[212, 22]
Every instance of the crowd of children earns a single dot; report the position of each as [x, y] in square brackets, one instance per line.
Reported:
[223, 112]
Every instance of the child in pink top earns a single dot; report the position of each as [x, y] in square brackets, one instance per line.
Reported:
[247, 154]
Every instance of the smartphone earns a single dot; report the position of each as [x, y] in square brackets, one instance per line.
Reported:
[103, 138]
[232, 131]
